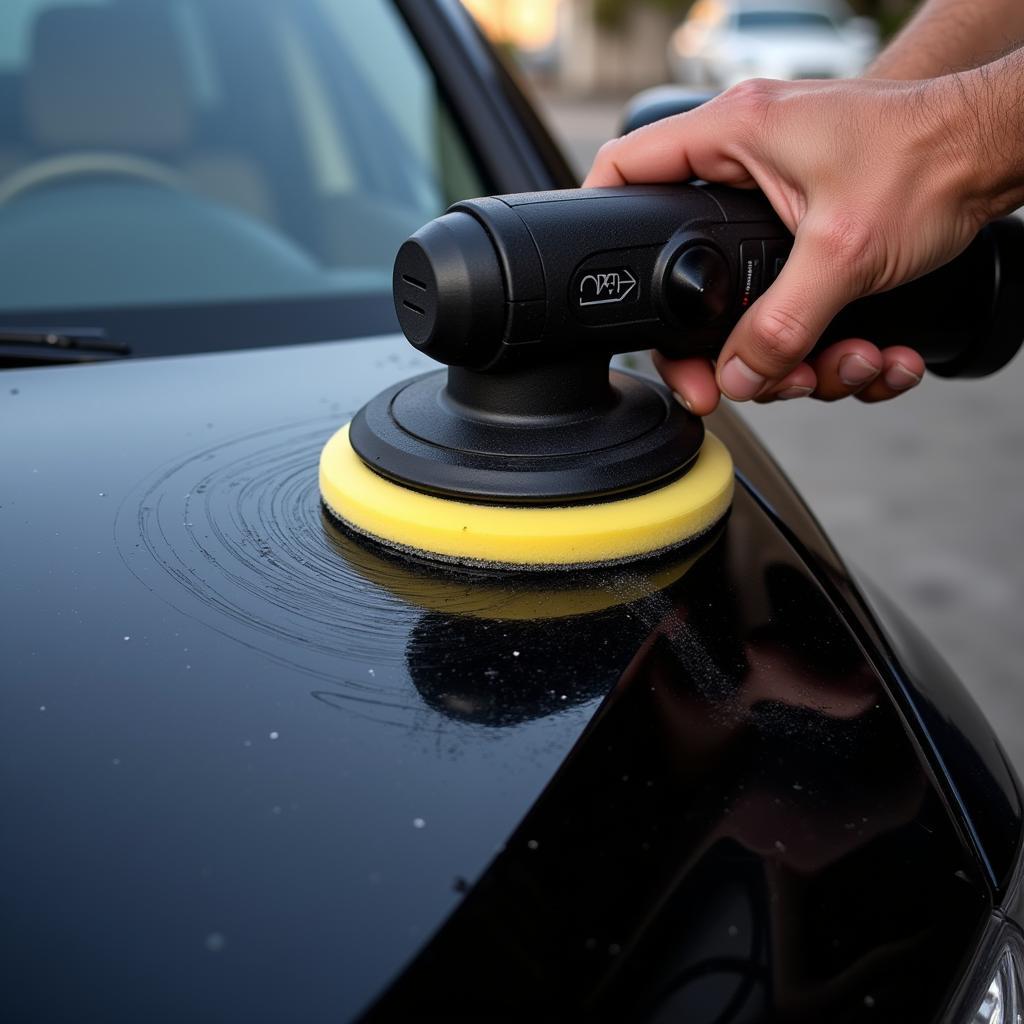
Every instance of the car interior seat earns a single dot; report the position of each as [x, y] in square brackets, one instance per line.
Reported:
[109, 83]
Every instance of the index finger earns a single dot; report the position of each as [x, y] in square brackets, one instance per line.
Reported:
[702, 143]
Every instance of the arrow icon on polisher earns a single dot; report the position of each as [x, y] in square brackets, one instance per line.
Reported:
[605, 286]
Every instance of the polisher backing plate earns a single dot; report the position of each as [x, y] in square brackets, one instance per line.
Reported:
[526, 537]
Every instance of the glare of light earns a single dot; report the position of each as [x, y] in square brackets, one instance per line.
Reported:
[1001, 1003]
[527, 24]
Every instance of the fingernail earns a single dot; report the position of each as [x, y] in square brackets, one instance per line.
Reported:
[794, 391]
[684, 402]
[854, 369]
[899, 378]
[738, 381]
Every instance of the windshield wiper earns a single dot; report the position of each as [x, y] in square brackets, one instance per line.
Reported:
[43, 346]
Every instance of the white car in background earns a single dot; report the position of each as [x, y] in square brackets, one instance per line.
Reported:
[723, 42]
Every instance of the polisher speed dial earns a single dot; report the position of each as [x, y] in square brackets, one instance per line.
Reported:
[510, 280]
[698, 285]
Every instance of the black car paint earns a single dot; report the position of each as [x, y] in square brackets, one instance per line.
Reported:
[249, 767]
[742, 833]
[954, 736]
[163, 869]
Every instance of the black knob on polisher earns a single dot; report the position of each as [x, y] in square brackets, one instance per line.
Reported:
[527, 297]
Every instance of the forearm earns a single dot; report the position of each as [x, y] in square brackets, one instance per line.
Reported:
[951, 35]
[987, 132]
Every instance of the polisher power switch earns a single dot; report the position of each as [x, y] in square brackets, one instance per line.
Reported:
[550, 277]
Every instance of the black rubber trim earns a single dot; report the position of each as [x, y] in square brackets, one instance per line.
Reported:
[516, 153]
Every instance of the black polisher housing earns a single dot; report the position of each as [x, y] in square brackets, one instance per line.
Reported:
[528, 297]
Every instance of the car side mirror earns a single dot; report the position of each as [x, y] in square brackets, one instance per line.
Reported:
[659, 102]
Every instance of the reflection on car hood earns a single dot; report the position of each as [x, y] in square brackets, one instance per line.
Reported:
[251, 767]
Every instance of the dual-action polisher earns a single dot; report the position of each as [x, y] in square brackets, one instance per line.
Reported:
[529, 451]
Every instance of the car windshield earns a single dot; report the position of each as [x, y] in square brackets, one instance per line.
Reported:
[191, 174]
[783, 21]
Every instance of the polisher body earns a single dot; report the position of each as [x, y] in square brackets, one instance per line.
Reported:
[529, 452]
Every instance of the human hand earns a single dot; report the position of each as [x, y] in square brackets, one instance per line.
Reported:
[877, 180]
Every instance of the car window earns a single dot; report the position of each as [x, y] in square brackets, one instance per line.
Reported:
[167, 153]
[783, 21]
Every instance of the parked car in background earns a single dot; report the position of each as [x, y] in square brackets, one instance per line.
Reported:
[255, 769]
[723, 42]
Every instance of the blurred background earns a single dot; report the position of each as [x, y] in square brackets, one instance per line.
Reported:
[924, 494]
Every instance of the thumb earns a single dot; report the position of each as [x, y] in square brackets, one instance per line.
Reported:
[785, 323]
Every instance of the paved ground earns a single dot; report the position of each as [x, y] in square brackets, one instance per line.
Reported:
[925, 494]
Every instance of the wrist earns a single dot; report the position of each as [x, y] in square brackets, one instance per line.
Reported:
[974, 138]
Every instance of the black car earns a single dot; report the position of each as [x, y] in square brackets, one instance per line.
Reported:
[256, 768]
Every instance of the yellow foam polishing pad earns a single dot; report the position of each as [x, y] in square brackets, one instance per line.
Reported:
[526, 536]
[457, 590]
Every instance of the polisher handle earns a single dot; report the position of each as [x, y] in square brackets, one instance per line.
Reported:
[518, 281]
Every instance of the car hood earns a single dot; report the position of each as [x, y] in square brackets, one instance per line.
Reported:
[254, 770]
